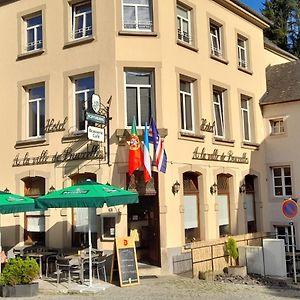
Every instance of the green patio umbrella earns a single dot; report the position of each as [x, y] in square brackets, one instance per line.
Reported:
[12, 203]
[87, 194]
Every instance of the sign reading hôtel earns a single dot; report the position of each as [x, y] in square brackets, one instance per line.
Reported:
[68, 154]
[217, 156]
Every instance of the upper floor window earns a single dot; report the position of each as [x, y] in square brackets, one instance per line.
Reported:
[139, 96]
[277, 126]
[245, 110]
[82, 20]
[184, 24]
[219, 113]
[242, 52]
[282, 181]
[36, 110]
[84, 89]
[186, 105]
[34, 32]
[137, 15]
[216, 39]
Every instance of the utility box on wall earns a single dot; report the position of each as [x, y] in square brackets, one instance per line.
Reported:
[252, 257]
[274, 257]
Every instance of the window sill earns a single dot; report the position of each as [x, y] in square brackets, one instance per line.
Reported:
[245, 70]
[30, 54]
[31, 143]
[281, 134]
[191, 136]
[138, 33]
[250, 145]
[188, 46]
[78, 42]
[219, 59]
[74, 137]
[223, 141]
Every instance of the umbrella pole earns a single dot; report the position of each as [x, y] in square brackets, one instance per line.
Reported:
[90, 255]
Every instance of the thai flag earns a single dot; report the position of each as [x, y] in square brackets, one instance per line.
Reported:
[147, 158]
[159, 149]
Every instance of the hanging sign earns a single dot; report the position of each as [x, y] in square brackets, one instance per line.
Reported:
[96, 134]
[289, 208]
[95, 118]
[96, 103]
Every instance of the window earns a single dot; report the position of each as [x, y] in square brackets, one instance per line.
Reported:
[184, 24]
[139, 96]
[34, 231]
[215, 40]
[137, 15]
[277, 126]
[242, 52]
[282, 181]
[36, 111]
[191, 207]
[250, 203]
[186, 105]
[84, 89]
[108, 227]
[34, 33]
[285, 233]
[245, 110]
[82, 20]
[219, 114]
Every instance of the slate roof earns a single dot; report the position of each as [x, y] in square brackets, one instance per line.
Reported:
[283, 83]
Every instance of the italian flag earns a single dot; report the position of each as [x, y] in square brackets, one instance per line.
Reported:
[135, 157]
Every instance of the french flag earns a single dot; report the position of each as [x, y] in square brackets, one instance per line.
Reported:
[159, 149]
[147, 158]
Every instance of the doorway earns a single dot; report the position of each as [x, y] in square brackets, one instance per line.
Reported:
[143, 224]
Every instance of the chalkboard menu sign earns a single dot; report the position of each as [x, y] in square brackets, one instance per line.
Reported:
[127, 263]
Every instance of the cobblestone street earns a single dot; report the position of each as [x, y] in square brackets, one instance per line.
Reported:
[174, 287]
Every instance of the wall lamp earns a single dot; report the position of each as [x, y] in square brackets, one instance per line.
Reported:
[175, 187]
[243, 188]
[213, 189]
[51, 189]
[6, 190]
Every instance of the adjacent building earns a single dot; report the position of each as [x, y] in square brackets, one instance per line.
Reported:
[196, 67]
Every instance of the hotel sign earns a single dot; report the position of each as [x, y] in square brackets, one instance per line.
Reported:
[219, 156]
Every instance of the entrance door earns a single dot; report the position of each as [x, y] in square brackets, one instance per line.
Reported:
[143, 223]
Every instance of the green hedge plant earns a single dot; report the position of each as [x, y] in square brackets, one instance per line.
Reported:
[232, 248]
[19, 271]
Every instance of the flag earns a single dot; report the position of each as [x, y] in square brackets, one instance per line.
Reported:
[159, 149]
[147, 159]
[135, 157]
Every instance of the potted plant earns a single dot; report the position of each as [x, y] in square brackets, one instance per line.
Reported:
[234, 255]
[17, 278]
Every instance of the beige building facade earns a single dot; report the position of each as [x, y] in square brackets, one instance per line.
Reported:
[197, 67]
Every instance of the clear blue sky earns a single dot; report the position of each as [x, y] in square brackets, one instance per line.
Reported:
[255, 4]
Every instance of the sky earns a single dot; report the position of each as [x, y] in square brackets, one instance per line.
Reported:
[255, 4]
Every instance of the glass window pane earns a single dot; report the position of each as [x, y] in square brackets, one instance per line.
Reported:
[42, 117]
[223, 209]
[188, 112]
[84, 83]
[190, 211]
[138, 78]
[277, 171]
[131, 96]
[288, 190]
[246, 126]
[182, 12]
[278, 191]
[219, 123]
[278, 181]
[34, 21]
[287, 171]
[145, 103]
[288, 181]
[32, 119]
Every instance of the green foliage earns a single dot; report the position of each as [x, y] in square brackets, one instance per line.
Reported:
[19, 271]
[232, 248]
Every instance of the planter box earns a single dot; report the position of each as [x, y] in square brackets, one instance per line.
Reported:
[237, 271]
[21, 290]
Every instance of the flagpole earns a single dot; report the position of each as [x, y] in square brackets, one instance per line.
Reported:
[90, 251]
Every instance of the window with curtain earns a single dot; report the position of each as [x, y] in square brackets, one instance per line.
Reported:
[219, 113]
[34, 32]
[245, 111]
[242, 52]
[184, 24]
[215, 39]
[82, 20]
[137, 15]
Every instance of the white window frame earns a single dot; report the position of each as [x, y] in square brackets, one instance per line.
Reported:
[184, 94]
[287, 237]
[280, 127]
[215, 36]
[219, 105]
[36, 43]
[181, 35]
[112, 237]
[246, 117]
[86, 99]
[138, 25]
[138, 87]
[242, 50]
[75, 15]
[283, 185]
[39, 102]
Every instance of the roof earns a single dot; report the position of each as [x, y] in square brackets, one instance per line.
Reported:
[283, 83]
[271, 46]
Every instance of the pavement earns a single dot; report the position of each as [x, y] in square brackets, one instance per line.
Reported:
[163, 287]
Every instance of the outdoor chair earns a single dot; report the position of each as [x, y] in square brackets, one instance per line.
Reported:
[98, 264]
[65, 266]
